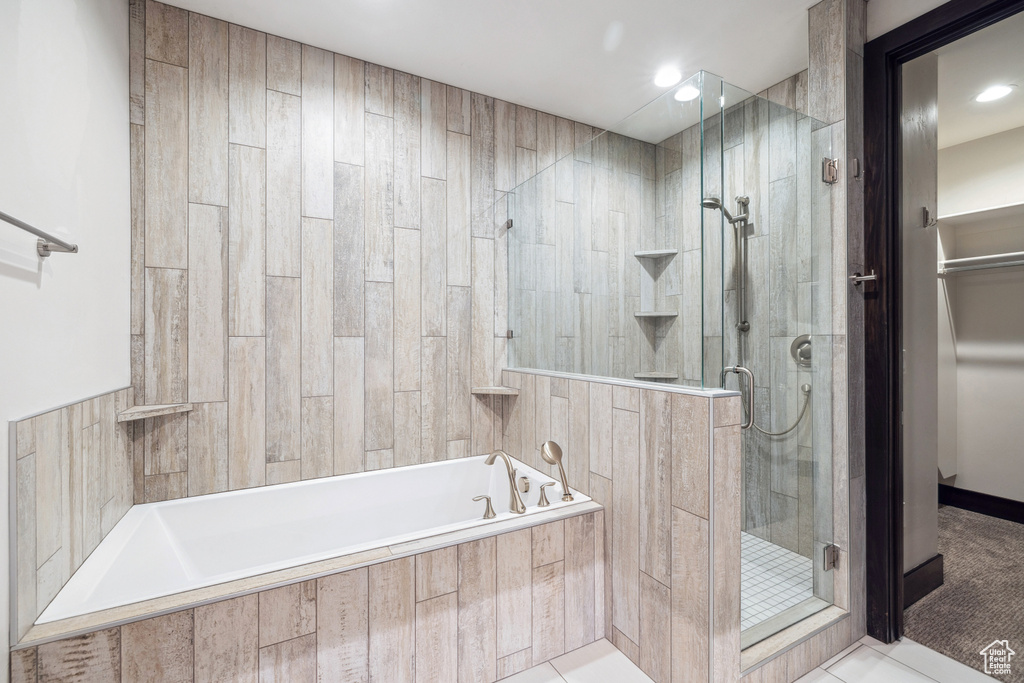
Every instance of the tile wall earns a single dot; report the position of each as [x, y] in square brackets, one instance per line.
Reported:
[71, 483]
[477, 611]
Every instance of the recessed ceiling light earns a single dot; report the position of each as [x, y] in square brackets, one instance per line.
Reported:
[667, 76]
[994, 93]
[687, 93]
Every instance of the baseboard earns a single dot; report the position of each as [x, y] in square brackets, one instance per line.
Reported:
[922, 580]
[983, 503]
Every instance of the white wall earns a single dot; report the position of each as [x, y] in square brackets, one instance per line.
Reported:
[982, 173]
[64, 324]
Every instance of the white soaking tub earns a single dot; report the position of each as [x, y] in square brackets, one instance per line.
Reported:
[162, 549]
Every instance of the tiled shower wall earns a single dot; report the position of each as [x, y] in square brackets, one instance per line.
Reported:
[72, 482]
[315, 263]
[478, 611]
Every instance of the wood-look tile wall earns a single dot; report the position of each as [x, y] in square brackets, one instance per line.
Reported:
[659, 461]
[317, 265]
[478, 611]
[72, 482]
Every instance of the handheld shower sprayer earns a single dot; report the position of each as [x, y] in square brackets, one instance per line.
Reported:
[715, 203]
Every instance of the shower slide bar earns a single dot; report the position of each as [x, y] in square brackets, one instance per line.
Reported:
[47, 243]
[959, 265]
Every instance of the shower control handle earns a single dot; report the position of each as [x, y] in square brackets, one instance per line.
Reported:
[739, 369]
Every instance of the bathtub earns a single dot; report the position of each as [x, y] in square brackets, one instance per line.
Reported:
[177, 546]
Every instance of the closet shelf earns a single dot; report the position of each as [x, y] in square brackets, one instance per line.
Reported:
[655, 253]
[656, 375]
[656, 314]
[495, 391]
[143, 412]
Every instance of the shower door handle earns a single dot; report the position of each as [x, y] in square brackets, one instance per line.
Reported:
[739, 369]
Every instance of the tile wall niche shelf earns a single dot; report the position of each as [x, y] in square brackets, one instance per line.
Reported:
[656, 314]
[495, 391]
[656, 375]
[655, 253]
[143, 412]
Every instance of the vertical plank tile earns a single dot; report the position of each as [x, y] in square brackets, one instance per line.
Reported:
[482, 313]
[317, 133]
[514, 663]
[580, 581]
[95, 656]
[166, 33]
[284, 65]
[207, 110]
[158, 649]
[247, 242]
[284, 472]
[458, 342]
[317, 307]
[293, 661]
[504, 145]
[349, 253]
[577, 455]
[379, 85]
[477, 637]
[526, 128]
[690, 595]
[166, 131]
[548, 612]
[349, 110]
[287, 612]
[166, 335]
[625, 522]
[408, 423]
[379, 369]
[548, 543]
[393, 620]
[137, 61]
[459, 118]
[433, 128]
[690, 453]
[207, 302]
[655, 628]
[378, 202]
[317, 437]
[459, 209]
[437, 573]
[434, 399]
[348, 405]
[380, 459]
[433, 267]
[137, 174]
[284, 368]
[284, 184]
[24, 666]
[207, 448]
[726, 479]
[601, 429]
[407, 150]
[656, 485]
[227, 641]
[437, 631]
[482, 155]
[343, 627]
[25, 473]
[514, 590]
[407, 309]
[247, 92]
[247, 401]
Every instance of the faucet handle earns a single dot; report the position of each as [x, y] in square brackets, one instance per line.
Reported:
[488, 511]
[543, 502]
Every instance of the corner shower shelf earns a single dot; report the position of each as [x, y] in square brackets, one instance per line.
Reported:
[143, 412]
[656, 314]
[656, 375]
[655, 253]
[495, 391]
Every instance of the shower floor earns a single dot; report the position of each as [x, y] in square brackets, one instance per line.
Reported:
[773, 580]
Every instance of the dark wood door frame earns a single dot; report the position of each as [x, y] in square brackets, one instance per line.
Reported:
[883, 58]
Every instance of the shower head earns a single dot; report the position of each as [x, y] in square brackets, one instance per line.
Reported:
[716, 203]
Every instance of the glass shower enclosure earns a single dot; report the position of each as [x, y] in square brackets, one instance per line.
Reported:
[690, 244]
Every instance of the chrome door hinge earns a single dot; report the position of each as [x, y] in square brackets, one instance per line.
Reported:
[830, 171]
[508, 224]
[508, 334]
[831, 559]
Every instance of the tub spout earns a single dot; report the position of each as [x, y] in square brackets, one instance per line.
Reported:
[515, 503]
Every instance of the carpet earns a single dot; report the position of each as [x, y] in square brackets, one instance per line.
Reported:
[982, 596]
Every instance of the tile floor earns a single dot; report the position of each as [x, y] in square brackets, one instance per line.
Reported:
[866, 661]
[773, 580]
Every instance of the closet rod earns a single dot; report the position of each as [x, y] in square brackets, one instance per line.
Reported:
[958, 265]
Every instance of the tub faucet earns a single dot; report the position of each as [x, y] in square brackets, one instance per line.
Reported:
[515, 503]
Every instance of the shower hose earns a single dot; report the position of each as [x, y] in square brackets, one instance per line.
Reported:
[803, 410]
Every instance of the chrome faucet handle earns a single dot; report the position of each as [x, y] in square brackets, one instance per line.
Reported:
[488, 511]
[543, 502]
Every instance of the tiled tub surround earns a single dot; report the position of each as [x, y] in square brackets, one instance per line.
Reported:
[479, 610]
[310, 266]
[172, 547]
[71, 476]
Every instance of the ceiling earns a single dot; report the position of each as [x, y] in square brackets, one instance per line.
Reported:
[992, 56]
[587, 60]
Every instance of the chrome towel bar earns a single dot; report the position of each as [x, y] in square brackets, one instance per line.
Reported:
[47, 243]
